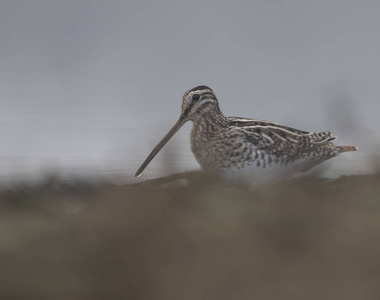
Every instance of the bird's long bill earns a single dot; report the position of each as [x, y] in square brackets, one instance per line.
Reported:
[181, 120]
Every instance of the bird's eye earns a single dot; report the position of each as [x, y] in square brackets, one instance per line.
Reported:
[196, 97]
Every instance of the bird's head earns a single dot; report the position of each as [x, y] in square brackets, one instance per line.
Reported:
[195, 103]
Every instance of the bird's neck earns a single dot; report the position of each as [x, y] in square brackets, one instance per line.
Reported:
[211, 118]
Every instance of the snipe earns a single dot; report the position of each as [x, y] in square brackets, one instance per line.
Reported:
[239, 147]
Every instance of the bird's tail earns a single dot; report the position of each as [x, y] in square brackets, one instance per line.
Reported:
[347, 148]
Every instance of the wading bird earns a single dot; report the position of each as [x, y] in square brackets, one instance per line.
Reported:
[233, 147]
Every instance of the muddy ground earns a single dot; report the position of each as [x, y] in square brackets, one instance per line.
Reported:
[300, 239]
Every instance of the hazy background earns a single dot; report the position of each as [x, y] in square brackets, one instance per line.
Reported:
[87, 88]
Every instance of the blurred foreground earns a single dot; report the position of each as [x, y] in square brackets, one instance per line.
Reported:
[299, 239]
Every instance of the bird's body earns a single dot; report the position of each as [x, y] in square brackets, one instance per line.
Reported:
[258, 148]
[243, 148]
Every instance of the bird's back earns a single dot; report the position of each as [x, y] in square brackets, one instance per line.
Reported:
[260, 148]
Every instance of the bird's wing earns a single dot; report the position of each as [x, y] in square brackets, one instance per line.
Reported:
[278, 139]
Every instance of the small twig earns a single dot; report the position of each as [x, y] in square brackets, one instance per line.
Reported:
[189, 175]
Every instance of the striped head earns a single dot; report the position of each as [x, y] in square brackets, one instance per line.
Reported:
[197, 101]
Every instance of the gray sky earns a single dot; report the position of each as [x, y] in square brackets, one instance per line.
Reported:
[91, 86]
